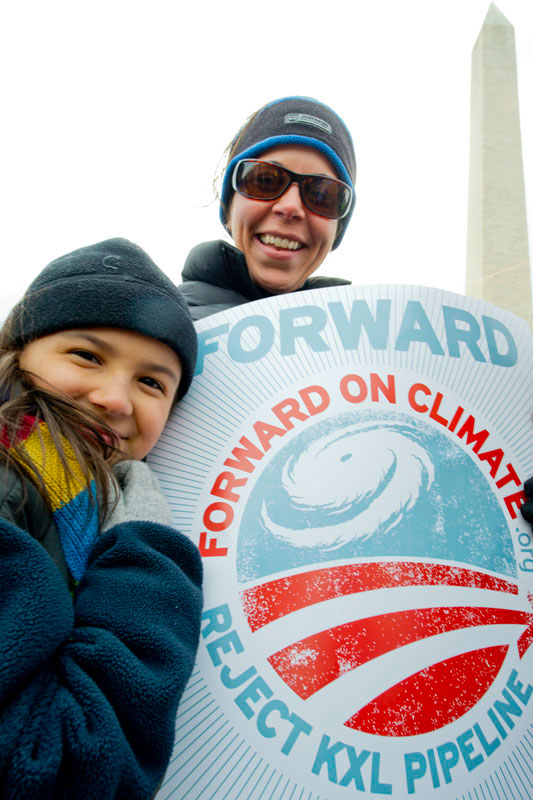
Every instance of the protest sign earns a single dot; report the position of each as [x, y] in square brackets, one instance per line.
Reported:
[350, 463]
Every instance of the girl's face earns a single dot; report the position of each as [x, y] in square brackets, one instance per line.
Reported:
[129, 380]
[252, 223]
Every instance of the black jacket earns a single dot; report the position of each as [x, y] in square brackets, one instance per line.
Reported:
[23, 505]
[215, 277]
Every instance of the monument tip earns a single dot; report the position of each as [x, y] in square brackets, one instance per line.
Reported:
[495, 17]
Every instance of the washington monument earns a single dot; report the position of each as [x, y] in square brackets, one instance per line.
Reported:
[497, 268]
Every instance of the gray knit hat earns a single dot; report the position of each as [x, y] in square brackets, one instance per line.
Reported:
[111, 284]
[300, 121]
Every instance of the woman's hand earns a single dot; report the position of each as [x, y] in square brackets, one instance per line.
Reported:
[527, 508]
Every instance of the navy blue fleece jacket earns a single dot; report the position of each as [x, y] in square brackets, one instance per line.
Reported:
[89, 686]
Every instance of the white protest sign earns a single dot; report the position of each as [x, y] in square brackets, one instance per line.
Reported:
[350, 462]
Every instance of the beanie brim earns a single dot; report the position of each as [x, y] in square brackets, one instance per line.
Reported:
[113, 284]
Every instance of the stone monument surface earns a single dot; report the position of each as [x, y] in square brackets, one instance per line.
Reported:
[498, 268]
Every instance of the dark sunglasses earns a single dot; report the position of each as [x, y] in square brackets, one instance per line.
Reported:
[262, 180]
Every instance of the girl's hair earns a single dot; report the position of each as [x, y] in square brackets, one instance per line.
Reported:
[65, 420]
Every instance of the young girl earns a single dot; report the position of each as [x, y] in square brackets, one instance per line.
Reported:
[100, 597]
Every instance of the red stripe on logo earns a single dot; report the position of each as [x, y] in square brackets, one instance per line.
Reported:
[433, 697]
[312, 663]
[270, 601]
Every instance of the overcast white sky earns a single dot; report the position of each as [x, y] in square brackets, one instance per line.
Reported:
[116, 112]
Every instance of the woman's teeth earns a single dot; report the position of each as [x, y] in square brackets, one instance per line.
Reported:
[276, 241]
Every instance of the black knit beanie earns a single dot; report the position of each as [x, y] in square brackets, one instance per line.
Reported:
[112, 284]
[300, 121]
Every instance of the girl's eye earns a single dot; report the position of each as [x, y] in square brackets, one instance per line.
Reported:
[152, 383]
[86, 355]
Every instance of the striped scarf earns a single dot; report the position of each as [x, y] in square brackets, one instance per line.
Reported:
[73, 505]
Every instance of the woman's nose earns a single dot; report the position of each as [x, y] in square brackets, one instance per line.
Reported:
[290, 203]
[113, 396]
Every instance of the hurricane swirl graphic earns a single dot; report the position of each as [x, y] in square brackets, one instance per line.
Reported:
[379, 474]
[371, 485]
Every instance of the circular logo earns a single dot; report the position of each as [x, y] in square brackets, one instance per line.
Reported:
[397, 508]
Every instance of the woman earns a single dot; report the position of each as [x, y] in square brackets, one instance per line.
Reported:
[100, 597]
[287, 197]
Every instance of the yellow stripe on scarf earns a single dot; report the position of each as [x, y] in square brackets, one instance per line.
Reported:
[42, 450]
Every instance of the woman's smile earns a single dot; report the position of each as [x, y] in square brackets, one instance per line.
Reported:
[279, 242]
